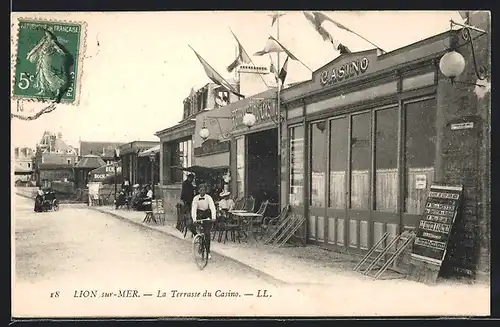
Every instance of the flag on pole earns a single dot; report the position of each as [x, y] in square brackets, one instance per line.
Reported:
[284, 71]
[319, 18]
[216, 77]
[270, 47]
[242, 57]
[273, 69]
[274, 18]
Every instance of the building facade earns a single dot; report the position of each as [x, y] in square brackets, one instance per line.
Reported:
[133, 167]
[54, 159]
[23, 164]
[105, 150]
[369, 133]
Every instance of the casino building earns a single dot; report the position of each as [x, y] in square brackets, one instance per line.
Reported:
[366, 137]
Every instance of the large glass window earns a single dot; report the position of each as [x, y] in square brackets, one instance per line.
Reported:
[318, 164]
[360, 161]
[420, 153]
[338, 162]
[181, 156]
[386, 159]
[297, 166]
[240, 166]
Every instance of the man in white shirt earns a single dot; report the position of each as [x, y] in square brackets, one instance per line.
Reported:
[203, 207]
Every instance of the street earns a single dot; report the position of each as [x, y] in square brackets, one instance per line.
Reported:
[77, 249]
[78, 262]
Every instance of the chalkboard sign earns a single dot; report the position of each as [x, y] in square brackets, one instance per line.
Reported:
[434, 229]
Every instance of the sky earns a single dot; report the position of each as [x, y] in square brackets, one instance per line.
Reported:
[138, 66]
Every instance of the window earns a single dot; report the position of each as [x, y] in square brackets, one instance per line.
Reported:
[69, 161]
[338, 162]
[240, 166]
[181, 156]
[29, 165]
[318, 164]
[420, 152]
[386, 159]
[296, 195]
[360, 161]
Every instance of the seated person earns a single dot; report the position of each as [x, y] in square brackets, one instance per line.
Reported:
[149, 193]
[225, 203]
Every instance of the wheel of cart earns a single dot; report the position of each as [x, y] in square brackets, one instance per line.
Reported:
[55, 205]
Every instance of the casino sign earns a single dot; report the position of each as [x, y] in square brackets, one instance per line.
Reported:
[344, 72]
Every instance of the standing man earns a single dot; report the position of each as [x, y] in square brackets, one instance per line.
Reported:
[187, 193]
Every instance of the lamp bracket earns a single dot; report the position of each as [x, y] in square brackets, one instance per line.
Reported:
[480, 71]
[467, 83]
[215, 120]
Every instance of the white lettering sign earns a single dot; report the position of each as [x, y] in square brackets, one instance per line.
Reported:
[420, 182]
[467, 125]
[346, 71]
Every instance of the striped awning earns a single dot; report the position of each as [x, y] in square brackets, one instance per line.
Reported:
[146, 153]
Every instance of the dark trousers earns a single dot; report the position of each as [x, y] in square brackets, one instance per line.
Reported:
[207, 226]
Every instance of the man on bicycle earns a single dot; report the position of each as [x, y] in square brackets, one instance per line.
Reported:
[203, 207]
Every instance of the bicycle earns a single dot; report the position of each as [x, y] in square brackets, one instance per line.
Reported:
[200, 251]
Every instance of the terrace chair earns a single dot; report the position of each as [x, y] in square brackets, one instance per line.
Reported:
[249, 204]
[239, 203]
[257, 221]
[269, 223]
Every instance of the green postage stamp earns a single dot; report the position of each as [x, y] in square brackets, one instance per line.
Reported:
[49, 60]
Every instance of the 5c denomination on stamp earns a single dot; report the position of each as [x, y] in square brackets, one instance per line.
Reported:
[49, 60]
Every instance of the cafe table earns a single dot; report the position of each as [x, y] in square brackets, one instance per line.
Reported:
[245, 219]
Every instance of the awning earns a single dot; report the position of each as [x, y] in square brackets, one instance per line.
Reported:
[203, 171]
[145, 153]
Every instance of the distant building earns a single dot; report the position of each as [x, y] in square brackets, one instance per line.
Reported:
[23, 164]
[54, 159]
[105, 150]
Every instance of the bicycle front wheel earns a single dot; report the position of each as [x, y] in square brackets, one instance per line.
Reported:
[199, 251]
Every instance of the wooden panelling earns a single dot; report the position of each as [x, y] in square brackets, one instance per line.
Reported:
[331, 230]
[312, 227]
[353, 233]
[363, 234]
[392, 230]
[340, 232]
[386, 190]
[360, 189]
[337, 189]
[378, 231]
[320, 229]
[415, 82]
[356, 96]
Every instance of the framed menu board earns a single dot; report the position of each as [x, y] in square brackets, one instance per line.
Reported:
[434, 229]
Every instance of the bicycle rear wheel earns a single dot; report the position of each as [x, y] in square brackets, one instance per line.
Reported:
[199, 251]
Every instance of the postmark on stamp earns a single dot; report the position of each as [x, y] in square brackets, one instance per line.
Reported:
[49, 60]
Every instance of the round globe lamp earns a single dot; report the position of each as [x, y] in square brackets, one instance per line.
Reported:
[204, 133]
[452, 64]
[249, 119]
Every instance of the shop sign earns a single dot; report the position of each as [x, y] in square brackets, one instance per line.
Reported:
[337, 74]
[420, 182]
[435, 227]
[459, 126]
[211, 146]
[263, 110]
[100, 176]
